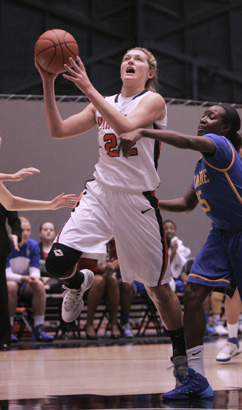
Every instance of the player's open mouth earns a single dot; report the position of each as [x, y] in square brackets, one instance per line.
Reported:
[129, 70]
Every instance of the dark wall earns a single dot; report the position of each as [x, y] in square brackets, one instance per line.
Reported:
[197, 43]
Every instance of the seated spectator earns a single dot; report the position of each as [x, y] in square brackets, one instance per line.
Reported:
[139, 289]
[23, 280]
[232, 308]
[217, 302]
[128, 291]
[47, 236]
[240, 320]
[213, 305]
[11, 217]
[106, 286]
[178, 256]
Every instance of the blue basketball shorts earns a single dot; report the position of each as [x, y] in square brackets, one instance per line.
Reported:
[219, 262]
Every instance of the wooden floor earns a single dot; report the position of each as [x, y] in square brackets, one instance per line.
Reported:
[117, 376]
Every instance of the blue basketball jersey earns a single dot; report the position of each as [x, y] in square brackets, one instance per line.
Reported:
[218, 184]
[26, 260]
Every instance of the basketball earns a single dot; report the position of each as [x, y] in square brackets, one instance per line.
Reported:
[54, 48]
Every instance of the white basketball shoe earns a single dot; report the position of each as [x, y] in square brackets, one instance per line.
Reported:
[73, 298]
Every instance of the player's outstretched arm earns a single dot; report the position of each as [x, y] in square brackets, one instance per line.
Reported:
[174, 138]
[15, 203]
[150, 108]
[185, 204]
[63, 128]
[19, 175]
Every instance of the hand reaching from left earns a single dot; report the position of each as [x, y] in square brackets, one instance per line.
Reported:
[62, 200]
[21, 174]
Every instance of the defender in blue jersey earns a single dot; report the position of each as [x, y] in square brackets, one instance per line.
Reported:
[217, 185]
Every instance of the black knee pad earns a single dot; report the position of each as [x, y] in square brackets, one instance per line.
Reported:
[61, 260]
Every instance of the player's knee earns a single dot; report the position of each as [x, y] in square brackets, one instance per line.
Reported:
[61, 260]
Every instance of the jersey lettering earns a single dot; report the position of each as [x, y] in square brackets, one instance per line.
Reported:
[203, 202]
[201, 178]
[102, 124]
[111, 146]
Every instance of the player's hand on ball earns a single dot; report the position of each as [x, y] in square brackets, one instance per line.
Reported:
[54, 48]
[78, 75]
[45, 75]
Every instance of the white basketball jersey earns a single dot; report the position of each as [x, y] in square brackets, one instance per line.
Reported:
[138, 172]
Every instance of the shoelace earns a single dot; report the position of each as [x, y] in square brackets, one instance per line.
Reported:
[181, 378]
[71, 297]
[229, 349]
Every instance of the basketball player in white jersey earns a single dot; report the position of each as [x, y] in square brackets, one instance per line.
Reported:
[119, 202]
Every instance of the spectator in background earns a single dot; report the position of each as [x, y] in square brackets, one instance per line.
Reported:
[13, 221]
[128, 290]
[106, 286]
[232, 311]
[178, 254]
[23, 280]
[12, 203]
[47, 235]
[213, 305]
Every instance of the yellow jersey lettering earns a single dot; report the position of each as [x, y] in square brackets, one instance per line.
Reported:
[201, 178]
[203, 202]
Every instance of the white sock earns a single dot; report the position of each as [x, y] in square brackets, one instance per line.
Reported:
[38, 320]
[233, 330]
[12, 320]
[195, 359]
[216, 319]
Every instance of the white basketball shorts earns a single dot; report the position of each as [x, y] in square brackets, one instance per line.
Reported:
[135, 223]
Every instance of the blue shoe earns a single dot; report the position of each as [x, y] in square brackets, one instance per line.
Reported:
[195, 386]
[210, 331]
[126, 331]
[14, 339]
[40, 336]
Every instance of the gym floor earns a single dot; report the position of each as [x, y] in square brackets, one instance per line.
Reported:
[108, 374]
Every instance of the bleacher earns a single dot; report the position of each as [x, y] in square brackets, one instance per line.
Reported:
[144, 320]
